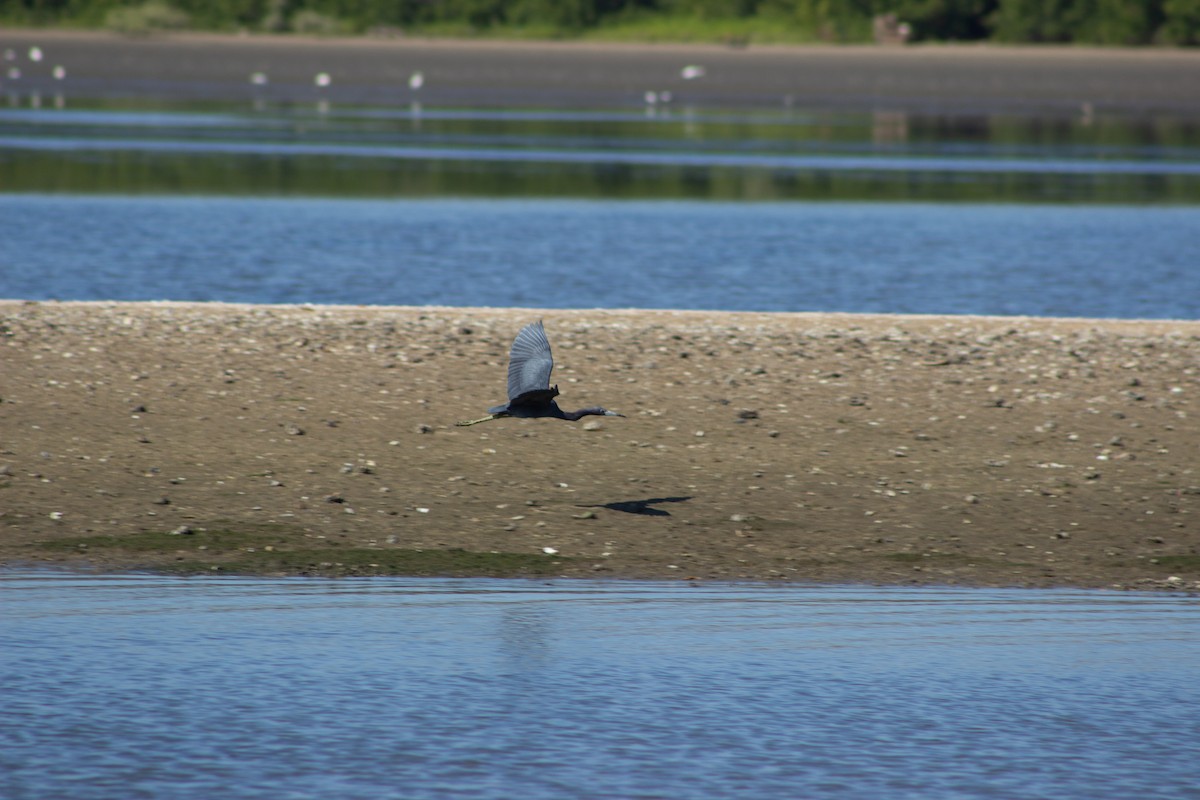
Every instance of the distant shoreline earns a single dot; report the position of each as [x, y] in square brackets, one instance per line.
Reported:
[928, 78]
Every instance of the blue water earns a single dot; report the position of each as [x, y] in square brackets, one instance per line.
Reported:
[157, 687]
[1084, 261]
[773, 210]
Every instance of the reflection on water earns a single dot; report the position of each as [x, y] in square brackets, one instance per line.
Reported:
[142, 686]
[688, 153]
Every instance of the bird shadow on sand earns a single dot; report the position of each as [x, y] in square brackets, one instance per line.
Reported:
[643, 507]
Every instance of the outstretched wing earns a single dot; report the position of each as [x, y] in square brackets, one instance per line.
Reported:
[530, 362]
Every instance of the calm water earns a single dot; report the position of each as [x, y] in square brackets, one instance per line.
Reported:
[888, 258]
[127, 687]
[778, 210]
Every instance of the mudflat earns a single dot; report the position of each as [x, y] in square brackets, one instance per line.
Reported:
[927, 78]
[796, 447]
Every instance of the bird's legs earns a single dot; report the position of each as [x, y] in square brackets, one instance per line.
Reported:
[481, 419]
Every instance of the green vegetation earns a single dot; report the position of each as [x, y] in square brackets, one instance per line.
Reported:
[1110, 22]
[276, 549]
[145, 19]
[1181, 563]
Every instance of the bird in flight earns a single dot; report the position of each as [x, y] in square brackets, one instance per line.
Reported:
[529, 391]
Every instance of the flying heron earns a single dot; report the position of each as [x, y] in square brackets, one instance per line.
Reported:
[529, 391]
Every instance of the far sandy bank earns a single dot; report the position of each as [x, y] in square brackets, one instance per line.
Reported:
[929, 78]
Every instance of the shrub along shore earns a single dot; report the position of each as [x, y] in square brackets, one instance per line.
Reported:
[1171, 22]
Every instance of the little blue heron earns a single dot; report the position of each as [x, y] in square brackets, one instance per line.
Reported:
[529, 391]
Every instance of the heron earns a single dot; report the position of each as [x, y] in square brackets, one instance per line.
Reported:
[529, 391]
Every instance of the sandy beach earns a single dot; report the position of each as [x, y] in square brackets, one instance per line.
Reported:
[794, 447]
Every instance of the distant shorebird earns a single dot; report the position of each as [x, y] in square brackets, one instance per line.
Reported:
[529, 390]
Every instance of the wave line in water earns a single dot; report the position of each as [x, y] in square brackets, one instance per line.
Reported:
[824, 163]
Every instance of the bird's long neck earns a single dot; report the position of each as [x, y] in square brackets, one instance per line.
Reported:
[572, 416]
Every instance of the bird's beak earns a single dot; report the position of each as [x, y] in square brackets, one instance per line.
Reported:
[612, 414]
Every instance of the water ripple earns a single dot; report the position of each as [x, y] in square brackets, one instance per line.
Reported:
[1122, 261]
[145, 686]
